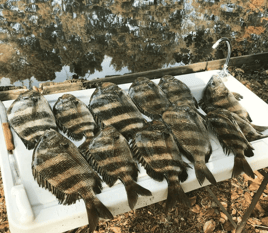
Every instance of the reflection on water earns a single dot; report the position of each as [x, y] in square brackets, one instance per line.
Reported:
[56, 40]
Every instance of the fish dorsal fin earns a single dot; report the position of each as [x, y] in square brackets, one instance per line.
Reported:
[110, 180]
[70, 135]
[137, 154]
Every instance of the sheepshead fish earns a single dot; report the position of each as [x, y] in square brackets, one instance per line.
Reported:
[58, 166]
[111, 106]
[232, 139]
[148, 97]
[249, 130]
[217, 95]
[110, 155]
[30, 115]
[156, 149]
[192, 137]
[177, 92]
[74, 118]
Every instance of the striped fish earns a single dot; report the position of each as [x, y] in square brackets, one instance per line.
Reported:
[217, 95]
[192, 137]
[232, 139]
[177, 92]
[30, 115]
[148, 97]
[74, 118]
[252, 132]
[58, 166]
[110, 155]
[156, 149]
[111, 106]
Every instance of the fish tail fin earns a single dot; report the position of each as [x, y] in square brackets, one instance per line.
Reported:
[95, 210]
[202, 172]
[93, 218]
[241, 165]
[259, 128]
[176, 193]
[133, 189]
[262, 136]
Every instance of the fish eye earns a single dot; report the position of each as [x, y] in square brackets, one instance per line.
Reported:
[116, 137]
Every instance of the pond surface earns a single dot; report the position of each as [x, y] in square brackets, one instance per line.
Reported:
[68, 39]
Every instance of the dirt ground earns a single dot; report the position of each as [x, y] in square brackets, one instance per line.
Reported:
[204, 215]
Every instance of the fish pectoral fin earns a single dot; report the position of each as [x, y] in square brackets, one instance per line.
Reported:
[237, 95]
[64, 145]
[249, 118]
[249, 152]
[195, 102]
[183, 175]
[207, 157]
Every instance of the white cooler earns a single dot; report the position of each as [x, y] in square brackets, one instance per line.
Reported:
[49, 216]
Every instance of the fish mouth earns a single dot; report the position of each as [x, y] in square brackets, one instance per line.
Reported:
[142, 80]
[107, 85]
[211, 82]
[166, 79]
[66, 96]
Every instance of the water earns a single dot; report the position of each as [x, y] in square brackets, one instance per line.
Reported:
[58, 40]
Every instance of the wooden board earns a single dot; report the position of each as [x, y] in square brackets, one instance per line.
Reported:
[251, 61]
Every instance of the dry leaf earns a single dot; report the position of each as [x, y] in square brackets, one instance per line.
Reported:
[221, 220]
[209, 226]
[210, 212]
[223, 216]
[234, 196]
[239, 219]
[115, 229]
[224, 204]
[154, 227]
[247, 198]
[196, 209]
[192, 200]
[233, 211]
[263, 231]
[228, 226]
[254, 221]
[259, 175]
[253, 187]
[265, 221]
[259, 208]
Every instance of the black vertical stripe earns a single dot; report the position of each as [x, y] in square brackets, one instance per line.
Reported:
[58, 168]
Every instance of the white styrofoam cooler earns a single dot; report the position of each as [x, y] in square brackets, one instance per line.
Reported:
[49, 216]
